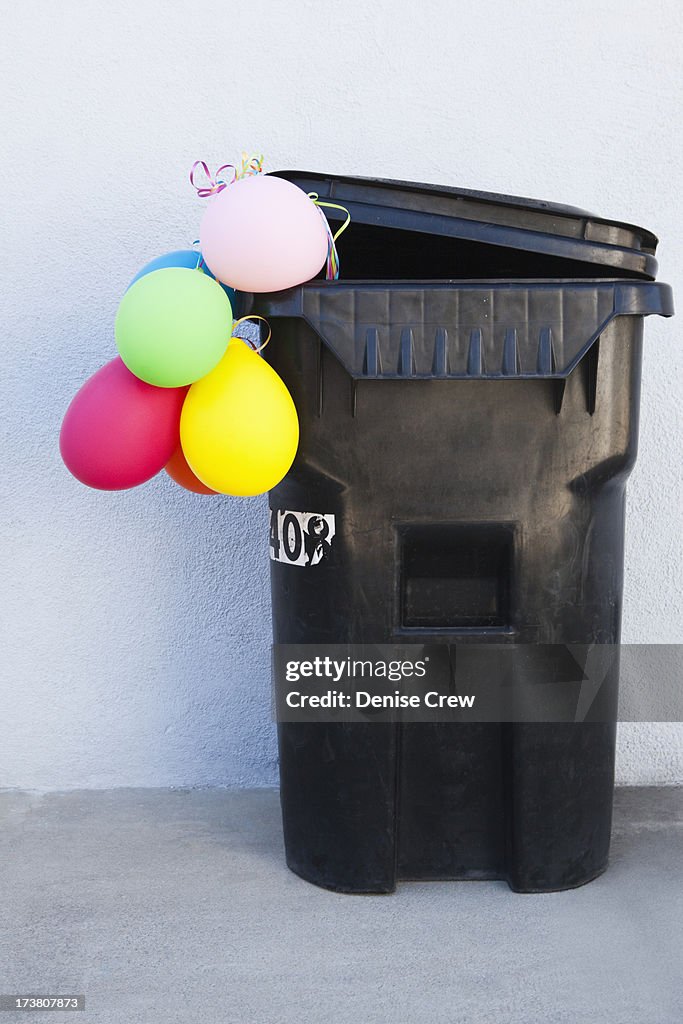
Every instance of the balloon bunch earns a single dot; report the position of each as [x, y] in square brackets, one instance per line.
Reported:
[185, 394]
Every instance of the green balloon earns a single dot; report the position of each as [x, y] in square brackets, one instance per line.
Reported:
[173, 326]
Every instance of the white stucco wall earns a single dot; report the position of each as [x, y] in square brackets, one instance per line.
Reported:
[136, 625]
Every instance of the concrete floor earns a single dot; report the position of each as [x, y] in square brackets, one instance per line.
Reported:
[165, 906]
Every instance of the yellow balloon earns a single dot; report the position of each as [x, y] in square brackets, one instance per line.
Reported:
[239, 429]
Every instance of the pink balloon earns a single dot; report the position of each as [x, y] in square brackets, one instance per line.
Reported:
[119, 431]
[263, 234]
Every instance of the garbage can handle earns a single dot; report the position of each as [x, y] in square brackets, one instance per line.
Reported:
[642, 298]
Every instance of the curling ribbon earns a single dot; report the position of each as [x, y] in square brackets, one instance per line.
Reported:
[252, 316]
[332, 271]
[215, 185]
[251, 164]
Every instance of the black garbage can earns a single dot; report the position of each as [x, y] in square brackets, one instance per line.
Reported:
[468, 396]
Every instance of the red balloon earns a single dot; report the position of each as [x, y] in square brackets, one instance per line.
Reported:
[179, 470]
[118, 431]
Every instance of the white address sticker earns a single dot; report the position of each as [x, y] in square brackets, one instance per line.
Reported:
[300, 538]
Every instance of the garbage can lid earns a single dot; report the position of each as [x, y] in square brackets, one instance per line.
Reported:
[507, 233]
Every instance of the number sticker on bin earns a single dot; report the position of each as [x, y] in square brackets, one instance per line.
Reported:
[300, 538]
